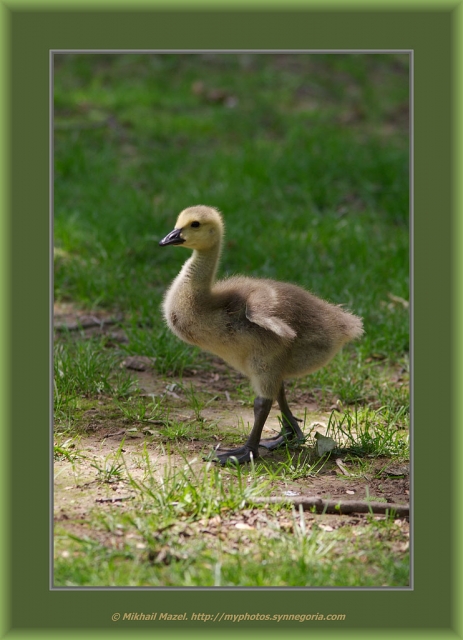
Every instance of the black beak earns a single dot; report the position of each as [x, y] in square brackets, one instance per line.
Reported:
[172, 238]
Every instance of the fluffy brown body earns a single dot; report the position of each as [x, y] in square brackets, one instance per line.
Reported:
[268, 330]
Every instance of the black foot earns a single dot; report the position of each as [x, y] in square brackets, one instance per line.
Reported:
[236, 456]
[285, 437]
[273, 443]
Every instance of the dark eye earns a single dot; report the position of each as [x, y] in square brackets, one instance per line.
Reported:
[195, 224]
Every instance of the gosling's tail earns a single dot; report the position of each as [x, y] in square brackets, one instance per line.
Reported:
[353, 327]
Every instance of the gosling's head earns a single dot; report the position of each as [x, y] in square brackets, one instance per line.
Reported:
[198, 227]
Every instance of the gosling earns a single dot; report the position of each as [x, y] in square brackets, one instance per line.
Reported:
[269, 331]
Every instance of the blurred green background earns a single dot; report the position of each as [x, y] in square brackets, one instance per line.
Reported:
[306, 155]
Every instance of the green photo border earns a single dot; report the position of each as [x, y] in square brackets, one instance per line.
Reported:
[28, 31]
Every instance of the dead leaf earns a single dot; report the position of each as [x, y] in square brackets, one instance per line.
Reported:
[396, 471]
[342, 467]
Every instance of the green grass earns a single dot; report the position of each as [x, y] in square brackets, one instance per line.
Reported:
[165, 541]
[307, 159]
[366, 432]
[86, 368]
[314, 560]
[306, 196]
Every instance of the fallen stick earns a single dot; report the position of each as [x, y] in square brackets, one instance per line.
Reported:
[340, 507]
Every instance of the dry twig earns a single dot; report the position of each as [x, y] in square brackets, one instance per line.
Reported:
[340, 507]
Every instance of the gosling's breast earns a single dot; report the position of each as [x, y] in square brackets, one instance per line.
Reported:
[182, 327]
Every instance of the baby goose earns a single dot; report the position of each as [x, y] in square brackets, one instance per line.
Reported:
[270, 331]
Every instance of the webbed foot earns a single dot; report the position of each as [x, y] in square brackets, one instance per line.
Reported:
[290, 433]
[236, 456]
[273, 443]
[284, 438]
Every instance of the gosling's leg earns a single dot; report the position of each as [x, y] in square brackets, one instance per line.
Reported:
[290, 431]
[262, 408]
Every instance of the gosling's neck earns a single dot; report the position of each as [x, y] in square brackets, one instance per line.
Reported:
[198, 272]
